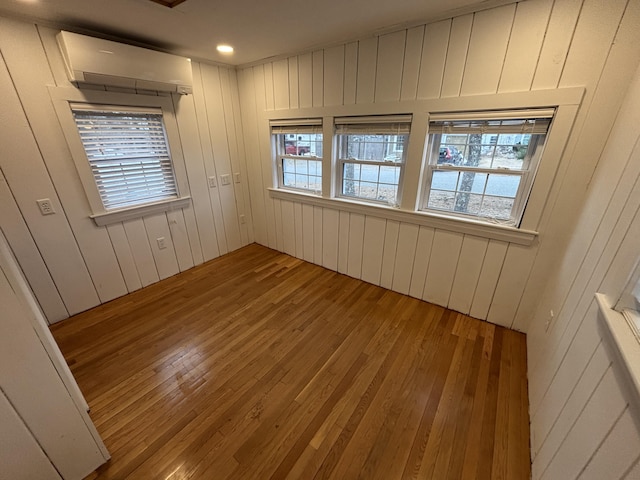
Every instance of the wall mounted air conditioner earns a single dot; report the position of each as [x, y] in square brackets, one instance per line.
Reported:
[102, 62]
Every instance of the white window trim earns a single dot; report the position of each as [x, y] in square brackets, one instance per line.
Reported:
[63, 97]
[622, 335]
[278, 157]
[527, 175]
[566, 102]
[340, 162]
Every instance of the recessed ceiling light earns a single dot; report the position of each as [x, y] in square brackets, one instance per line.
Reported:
[225, 48]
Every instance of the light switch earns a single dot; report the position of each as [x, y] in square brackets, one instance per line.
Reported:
[236, 177]
[225, 179]
[212, 182]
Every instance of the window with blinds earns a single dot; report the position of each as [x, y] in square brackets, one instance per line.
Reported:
[482, 165]
[299, 154]
[128, 154]
[371, 156]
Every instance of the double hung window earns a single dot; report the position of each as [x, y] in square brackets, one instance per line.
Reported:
[371, 157]
[298, 145]
[128, 154]
[481, 165]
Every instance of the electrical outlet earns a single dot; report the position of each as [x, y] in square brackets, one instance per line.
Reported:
[161, 243]
[225, 179]
[212, 182]
[236, 177]
[46, 207]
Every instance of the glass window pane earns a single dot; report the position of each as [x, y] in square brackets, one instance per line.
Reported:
[370, 173]
[467, 203]
[497, 207]
[443, 180]
[503, 185]
[389, 175]
[288, 165]
[441, 200]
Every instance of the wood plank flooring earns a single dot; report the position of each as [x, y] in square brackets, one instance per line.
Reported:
[258, 365]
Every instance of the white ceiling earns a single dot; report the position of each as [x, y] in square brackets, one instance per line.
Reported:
[257, 29]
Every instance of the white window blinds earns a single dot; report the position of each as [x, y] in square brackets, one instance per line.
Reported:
[296, 126]
[128, 154]
[374, 125]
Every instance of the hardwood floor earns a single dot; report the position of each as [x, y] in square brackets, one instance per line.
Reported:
[258, 366]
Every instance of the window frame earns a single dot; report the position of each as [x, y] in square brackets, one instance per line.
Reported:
[63, 99]
[527, 176]
[279, 128]
[370, 124]
[565, 100]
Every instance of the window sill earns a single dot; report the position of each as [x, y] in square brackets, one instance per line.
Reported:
[622, 336]
[118, 216]
[427, 219]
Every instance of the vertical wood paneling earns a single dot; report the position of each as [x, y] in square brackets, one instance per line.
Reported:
[252, 149]
[350, 72]
[281, 84]
[26, 252]
[356, 241]
[528, 31]
[268, 86]
[372, 250]
[23, 166]
[598, 417]
[197, 178]
[367, 54]
[421, 262]
[297, 211]
[513, 278]
[318, 78]
[235, 136]
[434, 56]
[456, 55]
[180, 238]
[264, 139]
[551, 427]
[442, 267]
[27, 63]
[221, 153]
[157, 227]
[125, 256]
[307, 232]
[330, 228]
[305, 78]
[317, 235]
[489, 275]
[405, 255]
[487, 49]
[390, 66]
[294, 96]
[467, 275]
[411, 68]
[277, 208]
[557, 40]
[202, 121]
[139, 243]
[343, 242]
[288, 228]
[20, 455]
[618, 452]
[389, 253]
[333, 75]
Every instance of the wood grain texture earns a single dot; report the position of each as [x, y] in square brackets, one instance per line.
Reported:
[259, 365]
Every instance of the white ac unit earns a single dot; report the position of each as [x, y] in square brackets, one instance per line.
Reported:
[102, 62]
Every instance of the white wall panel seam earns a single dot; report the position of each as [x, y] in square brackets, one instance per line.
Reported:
[506, 50]
[546, 29]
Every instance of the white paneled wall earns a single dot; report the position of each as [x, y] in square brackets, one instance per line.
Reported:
[582, 425]
[70, 263]
[519, 47]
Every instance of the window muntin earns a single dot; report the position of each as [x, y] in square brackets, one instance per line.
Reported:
[484, 168]
[128, 154]
[299, 156]
[371, 157]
